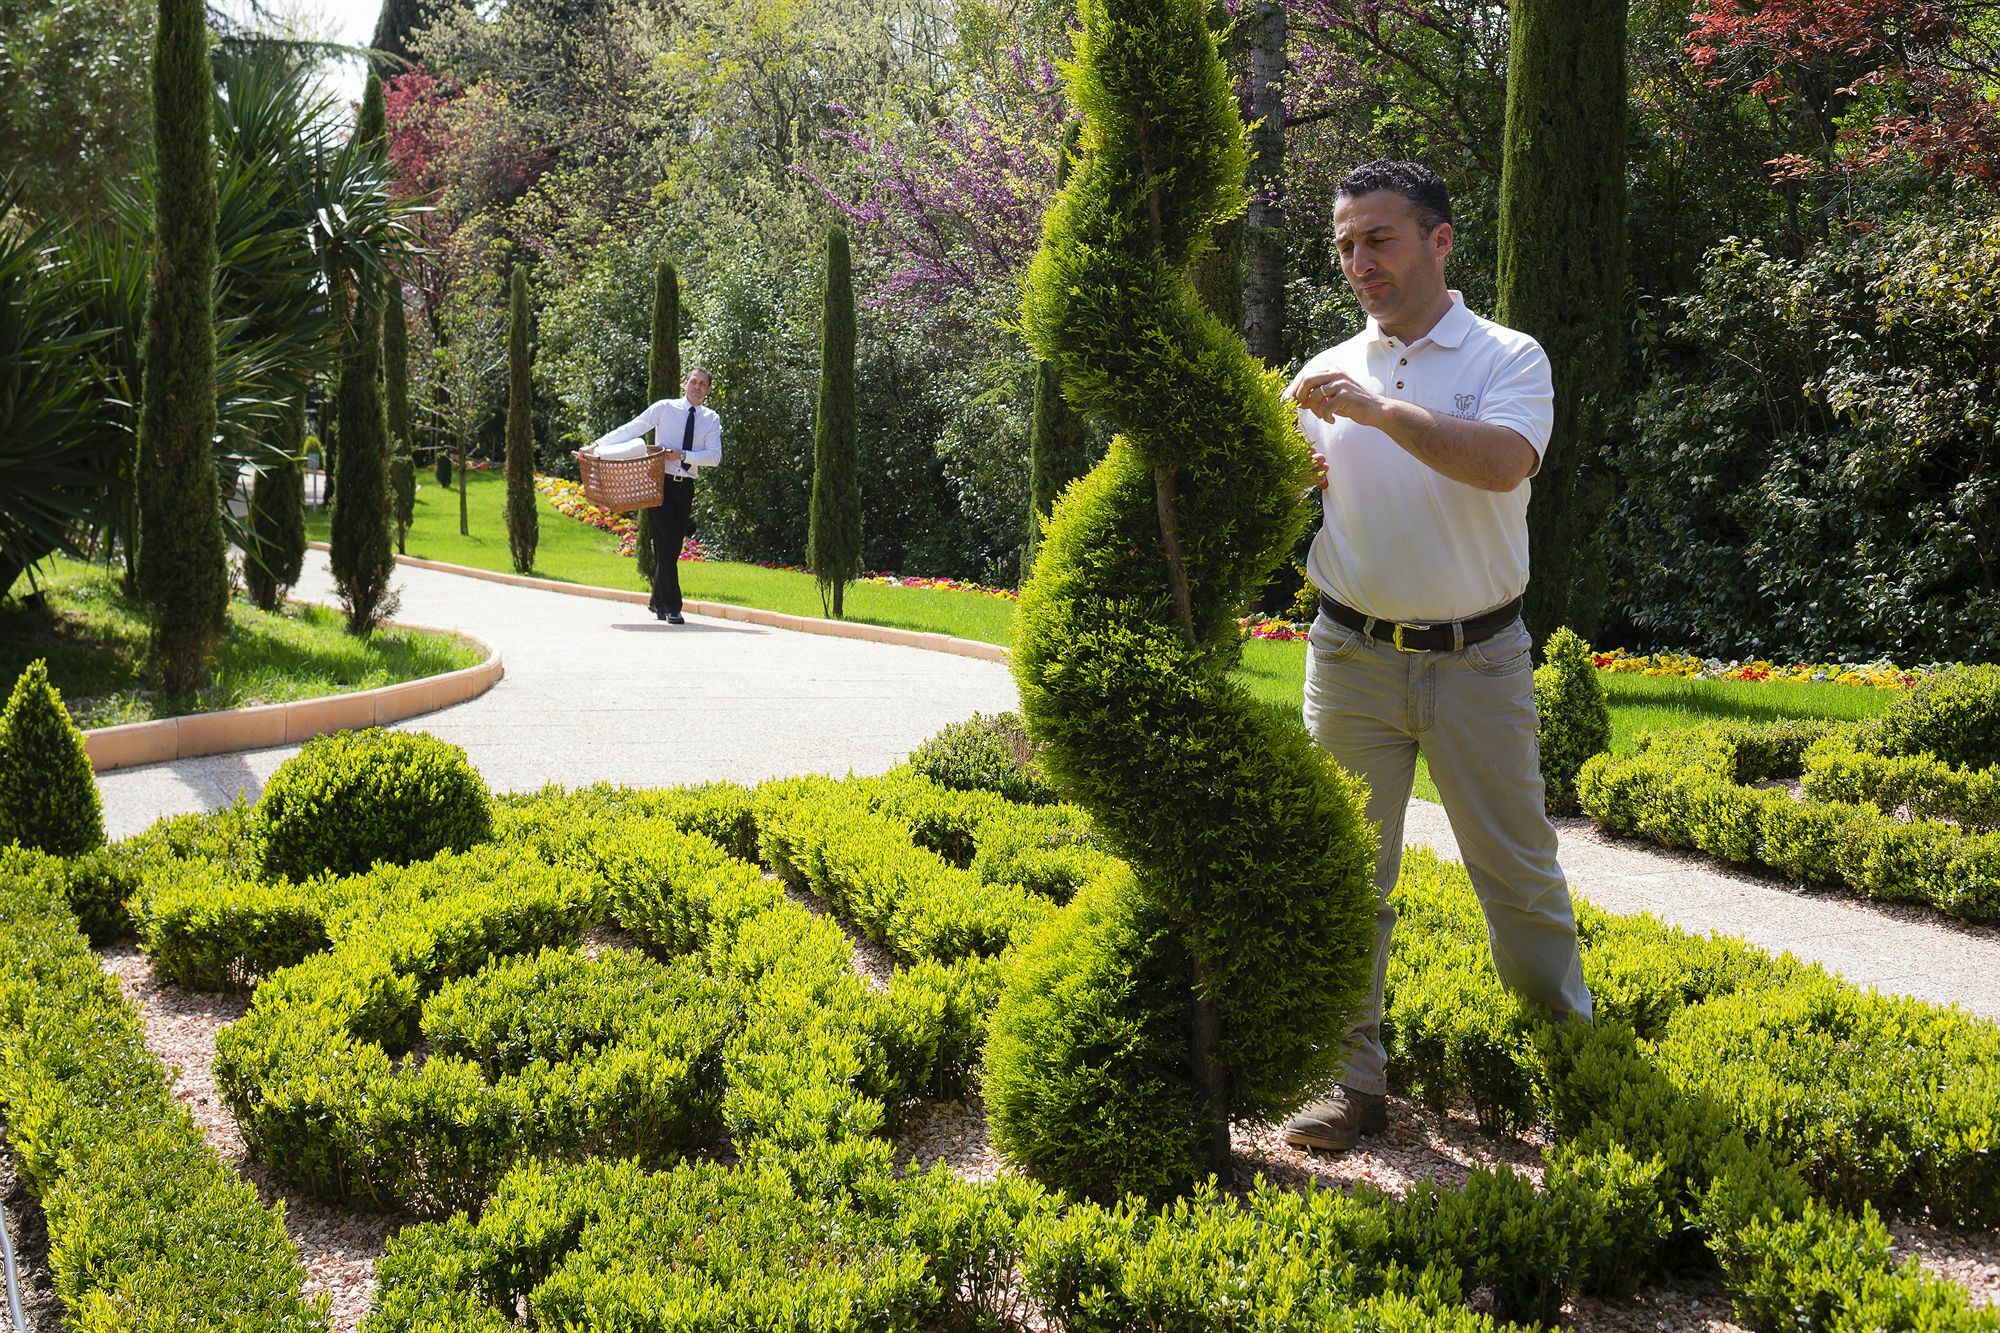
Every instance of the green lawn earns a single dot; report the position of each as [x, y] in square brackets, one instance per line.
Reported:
[94, 639]
[1274, 672]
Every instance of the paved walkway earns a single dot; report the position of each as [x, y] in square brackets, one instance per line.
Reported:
[598, 690]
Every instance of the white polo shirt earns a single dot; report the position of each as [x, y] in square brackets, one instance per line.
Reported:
[1402, 541]
[667, 419]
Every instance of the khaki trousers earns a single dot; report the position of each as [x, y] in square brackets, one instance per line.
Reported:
[1472, 714]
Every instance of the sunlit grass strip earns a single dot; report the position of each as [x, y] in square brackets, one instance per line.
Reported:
[96, 651]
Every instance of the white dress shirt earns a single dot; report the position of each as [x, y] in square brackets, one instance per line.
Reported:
[1402, 541]
[667, 419]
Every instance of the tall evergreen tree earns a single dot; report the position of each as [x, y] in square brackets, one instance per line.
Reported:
[396, 391]
[522, 532]
[1264, 223]
[394, 27]
[833, 536]
[1561, 273]
[278, 519]
[1058, 441]
[183, 577]
[663, 380]
[361, 559]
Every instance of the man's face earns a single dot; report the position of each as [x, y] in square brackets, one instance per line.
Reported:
[1396, 271]
[696, 388]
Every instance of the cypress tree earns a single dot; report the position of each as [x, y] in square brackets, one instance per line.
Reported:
[395, 25]
[48, 795]
[663, 380]
[1561, 273]
[361, 559]
[278, 519]
[522, 532]
[183, 575]
[1212, 979]
[396, 391]
[833, 536]
[1058, 442]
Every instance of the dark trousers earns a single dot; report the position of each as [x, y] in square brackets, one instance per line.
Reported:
[671, 522]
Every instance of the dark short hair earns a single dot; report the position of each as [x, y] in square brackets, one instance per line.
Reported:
[1424, 188]
[702, 371]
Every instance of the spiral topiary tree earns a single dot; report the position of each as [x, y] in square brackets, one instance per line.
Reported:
[663, 380]
[833, 536]
[1212, 979]
[523, 532]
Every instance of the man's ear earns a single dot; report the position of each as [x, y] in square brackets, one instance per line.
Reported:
[1442, 239]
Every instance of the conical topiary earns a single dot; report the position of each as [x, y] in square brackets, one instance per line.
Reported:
[48, 796]
[278, 518]
[1574, 720]
[1210, 977]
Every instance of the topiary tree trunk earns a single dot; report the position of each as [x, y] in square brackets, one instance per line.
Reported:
[278, 520]
[48, 794]
[663, 380]
[1058, 440]
[360, 555]
[1213, 980]
[522, 532]
[1561, 275]
[396, 392]
[183, 575]
[833, 536]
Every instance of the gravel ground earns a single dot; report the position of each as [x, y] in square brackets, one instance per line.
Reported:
[340, 1245]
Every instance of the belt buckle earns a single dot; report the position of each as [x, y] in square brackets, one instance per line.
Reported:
[1397, 638]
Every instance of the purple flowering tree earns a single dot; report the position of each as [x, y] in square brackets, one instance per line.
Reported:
[953, 205]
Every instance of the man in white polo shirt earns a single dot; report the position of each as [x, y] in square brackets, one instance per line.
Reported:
[1427, 426]
[692, 437]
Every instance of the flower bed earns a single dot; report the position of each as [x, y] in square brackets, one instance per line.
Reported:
[1881, 675]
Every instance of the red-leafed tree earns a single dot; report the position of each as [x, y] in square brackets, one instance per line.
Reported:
[1863, 82]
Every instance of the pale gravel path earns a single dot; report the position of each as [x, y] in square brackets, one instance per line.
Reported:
[1896, 948]
[600, 691]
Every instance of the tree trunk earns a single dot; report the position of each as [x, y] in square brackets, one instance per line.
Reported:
[1264, 227]
[1561, 275]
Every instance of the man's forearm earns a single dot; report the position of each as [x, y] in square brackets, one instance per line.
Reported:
[1493, 458]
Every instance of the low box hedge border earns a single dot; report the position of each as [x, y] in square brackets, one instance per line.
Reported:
[148, 1230]
[1699, 789]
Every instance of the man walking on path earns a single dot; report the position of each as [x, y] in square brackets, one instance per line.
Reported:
[692, 435]
[1426, 427]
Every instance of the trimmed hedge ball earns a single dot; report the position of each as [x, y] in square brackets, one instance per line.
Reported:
[985, 753]
[1575, 721]
[1953, 716]
[352, 798]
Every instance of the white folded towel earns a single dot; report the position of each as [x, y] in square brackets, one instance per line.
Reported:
[627, 449]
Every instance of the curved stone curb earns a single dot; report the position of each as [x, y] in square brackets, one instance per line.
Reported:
[264, 725]
[839, 629]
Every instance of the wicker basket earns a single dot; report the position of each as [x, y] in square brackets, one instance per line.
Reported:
[624, 483]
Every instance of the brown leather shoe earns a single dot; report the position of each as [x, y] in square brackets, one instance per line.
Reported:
[1339, 1122]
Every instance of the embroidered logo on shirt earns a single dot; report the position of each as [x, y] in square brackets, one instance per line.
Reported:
[1463, 405]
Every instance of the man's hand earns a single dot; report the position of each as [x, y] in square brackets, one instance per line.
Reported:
[1319, 469]
[673, 455]
[1338, 394]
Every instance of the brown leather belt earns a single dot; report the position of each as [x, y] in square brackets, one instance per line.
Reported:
[1447, 637]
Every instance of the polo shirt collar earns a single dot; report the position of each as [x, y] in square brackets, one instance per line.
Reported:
[1448, 332]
